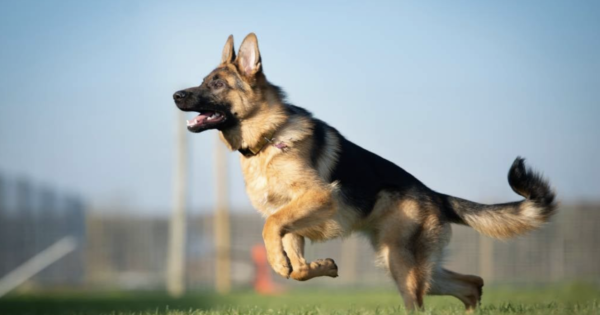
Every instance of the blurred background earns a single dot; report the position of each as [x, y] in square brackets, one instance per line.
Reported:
[97, 172]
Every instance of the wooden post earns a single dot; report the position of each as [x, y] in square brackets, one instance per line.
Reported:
[557, 262]
[221, 223]
[486, 258]
[176, 255]
[350, 259]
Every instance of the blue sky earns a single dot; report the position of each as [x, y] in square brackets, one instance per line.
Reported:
[450, 91]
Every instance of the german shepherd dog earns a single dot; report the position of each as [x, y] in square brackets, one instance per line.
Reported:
[311, 182]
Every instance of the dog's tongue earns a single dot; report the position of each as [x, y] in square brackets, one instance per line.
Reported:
[199, 119]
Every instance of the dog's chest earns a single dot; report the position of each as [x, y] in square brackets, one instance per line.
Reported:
[264, 185]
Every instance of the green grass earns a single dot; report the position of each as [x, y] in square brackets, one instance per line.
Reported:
[567, 299]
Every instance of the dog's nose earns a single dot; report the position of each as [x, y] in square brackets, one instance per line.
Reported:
[179, 95]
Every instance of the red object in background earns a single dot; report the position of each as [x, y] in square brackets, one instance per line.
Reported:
[263, 283]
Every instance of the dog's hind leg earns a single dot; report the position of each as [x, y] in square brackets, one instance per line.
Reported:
[410, 276]
[466, 288]
[293, 244]
[408, 237]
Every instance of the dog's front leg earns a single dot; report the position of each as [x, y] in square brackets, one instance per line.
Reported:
[279, 261]
[302, 270]
[309, 209]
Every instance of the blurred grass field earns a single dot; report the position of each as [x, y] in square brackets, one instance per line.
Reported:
[565, 299]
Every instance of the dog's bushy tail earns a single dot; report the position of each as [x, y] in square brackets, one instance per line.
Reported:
[509, 219]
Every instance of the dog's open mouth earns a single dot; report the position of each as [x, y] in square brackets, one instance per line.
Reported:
[205, 120]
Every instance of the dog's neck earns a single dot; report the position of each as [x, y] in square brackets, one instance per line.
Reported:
[251, 133]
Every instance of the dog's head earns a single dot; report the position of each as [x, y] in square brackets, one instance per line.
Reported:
[230, 93]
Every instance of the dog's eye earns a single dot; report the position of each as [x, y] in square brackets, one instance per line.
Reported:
[217, 84]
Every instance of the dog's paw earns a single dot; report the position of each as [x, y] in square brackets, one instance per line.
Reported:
[326, 266]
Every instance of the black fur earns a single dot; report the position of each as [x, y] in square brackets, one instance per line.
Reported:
[318, 142]
[246, 152]
[531, 185]
[295, 110]
[449, 211]
[362, 175]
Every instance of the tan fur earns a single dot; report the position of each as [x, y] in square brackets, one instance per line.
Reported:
[506, 224]
[301, 269]
[410, 239]
[255, 122]
[465, 288]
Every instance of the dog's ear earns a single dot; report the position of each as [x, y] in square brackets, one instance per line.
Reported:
[248, 60]
[228, 55]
